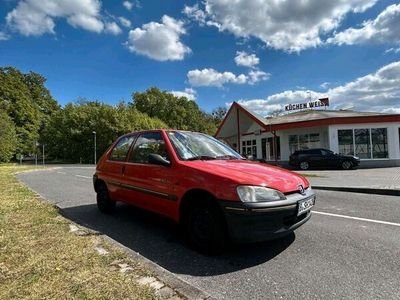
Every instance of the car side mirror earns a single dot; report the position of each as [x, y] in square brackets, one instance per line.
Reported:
[157, 159]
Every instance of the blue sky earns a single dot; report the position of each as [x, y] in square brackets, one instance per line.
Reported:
[263, 54]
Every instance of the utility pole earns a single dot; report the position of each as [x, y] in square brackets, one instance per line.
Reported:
[43, 155]
[95, 146]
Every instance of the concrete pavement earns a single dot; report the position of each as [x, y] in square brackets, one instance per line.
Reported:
[374, 181]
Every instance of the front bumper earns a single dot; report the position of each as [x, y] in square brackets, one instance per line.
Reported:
[255, 222]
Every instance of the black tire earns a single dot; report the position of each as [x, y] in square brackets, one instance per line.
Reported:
[347, 165]
[205, 228]
[304, 165]
[104, 202]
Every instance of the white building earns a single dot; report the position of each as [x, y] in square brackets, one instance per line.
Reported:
[374, 137]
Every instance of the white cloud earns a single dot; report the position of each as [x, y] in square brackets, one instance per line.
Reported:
[325, 84]
[245, 59]
[4, 36]
[378, 91]
[188, 93]
[211, 77]
[37, 17]
[195, 13]
[128, 5]
[392, 50]
[112, 28]
[259, 106]
[286, 25]
[125, 22]
[159, 41]
[257, 75]
[383, 29]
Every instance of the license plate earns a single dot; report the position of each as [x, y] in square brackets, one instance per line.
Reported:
[305, 205]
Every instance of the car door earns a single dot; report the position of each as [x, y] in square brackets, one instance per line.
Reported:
[113, 167]
[314, 157]
[149, 185]
[331, 160]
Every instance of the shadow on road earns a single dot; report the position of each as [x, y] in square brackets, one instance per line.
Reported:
[158, 239]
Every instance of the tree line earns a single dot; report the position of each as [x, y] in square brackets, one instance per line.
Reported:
[30, 117]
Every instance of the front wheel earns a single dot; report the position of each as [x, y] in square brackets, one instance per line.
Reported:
[104, 202]
[304, 165]
[347, 165]
[205, 228]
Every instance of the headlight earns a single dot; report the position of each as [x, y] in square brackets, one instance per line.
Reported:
[258, 194]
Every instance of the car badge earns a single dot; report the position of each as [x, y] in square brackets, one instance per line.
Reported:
[301, 189]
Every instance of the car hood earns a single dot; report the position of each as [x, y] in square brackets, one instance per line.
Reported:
[252, 173]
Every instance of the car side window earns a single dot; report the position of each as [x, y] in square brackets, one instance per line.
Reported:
[146, 144]
[326, 153]
[314, 152]
[121, 149]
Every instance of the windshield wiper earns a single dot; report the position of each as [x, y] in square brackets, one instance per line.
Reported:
[202, 157]
[227, 157]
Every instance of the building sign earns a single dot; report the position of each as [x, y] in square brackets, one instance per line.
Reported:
[312, 104]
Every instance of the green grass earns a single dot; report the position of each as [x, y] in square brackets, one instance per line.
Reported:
[310, 175]
[41, 259]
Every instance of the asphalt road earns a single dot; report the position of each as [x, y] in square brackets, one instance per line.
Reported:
[350, 249]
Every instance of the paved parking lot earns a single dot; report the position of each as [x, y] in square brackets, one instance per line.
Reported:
[381, 178]
[349, 249]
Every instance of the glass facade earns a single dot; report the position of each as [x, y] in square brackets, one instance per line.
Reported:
[346, 142]
[365, 143]
[379, 143]
[304, 141]
[362, 143]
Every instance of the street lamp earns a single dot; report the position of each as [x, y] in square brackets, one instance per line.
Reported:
[95, 146]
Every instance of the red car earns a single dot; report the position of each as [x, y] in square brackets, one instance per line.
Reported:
[204, 185]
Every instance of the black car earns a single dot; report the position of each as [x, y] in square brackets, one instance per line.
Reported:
[322, 158]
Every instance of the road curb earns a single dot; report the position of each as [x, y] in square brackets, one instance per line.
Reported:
[374, 191]
[182, 287]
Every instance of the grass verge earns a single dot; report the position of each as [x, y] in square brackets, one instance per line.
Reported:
[310, 175]
[40, 258]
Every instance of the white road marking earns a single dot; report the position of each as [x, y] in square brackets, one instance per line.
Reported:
[81, 176]
[356, 218]
[61, 173]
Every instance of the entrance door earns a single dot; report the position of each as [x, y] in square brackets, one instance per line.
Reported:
[268, 148]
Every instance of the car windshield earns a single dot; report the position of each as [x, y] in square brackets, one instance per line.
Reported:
[199, 146]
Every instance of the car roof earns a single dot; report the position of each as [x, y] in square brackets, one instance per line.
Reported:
[305, 150]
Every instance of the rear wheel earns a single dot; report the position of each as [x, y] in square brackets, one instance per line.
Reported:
[304, 165]
[104, 202]
[347, 165]
[205, 228]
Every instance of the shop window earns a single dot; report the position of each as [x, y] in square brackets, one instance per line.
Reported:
[379, 143]
[304, 141]
[249, 148]
[346, 143]
[364, 143]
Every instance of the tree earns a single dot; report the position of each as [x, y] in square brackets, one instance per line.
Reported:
[69, 134]
[28, 103]
[8, 137]
[218, 114]
[176, 112]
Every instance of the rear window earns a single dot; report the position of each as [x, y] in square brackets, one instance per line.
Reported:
[121, 149]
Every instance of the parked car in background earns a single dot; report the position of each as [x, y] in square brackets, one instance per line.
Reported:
[322, 158]
[203, 185]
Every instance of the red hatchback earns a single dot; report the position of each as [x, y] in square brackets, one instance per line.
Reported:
[204, 185]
